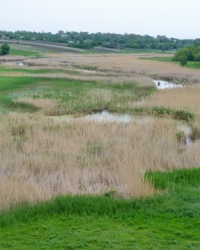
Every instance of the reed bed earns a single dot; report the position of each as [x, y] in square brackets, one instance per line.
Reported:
[105, 65]
[186, 98]
[77, 74]
[123, 63]
[41, 157]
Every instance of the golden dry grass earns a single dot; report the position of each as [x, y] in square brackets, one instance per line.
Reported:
[45, 105]
[186, 98]
[80, 74]
[125, 63]
[41, 158]
[109, 68]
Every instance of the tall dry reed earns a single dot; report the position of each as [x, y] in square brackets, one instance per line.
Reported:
[41, 157]
[125, 63]
[186, 98]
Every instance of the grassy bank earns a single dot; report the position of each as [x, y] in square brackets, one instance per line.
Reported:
[169, 220]
[193, 65]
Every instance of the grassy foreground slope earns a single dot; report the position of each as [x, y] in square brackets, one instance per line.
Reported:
[169, 220]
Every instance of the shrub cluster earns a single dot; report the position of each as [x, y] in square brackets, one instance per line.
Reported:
[4, 49]
[189, 53]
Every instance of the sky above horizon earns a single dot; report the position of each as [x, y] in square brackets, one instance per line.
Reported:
[173, 18]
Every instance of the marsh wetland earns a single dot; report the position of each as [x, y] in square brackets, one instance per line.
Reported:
[91, 139]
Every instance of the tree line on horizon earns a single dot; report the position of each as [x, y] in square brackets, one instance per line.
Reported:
[87, 40]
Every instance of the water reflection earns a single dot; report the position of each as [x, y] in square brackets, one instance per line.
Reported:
[105, 116]
[160, 84]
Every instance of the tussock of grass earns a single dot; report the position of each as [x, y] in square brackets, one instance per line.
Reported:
[195, 135]
[162, 112]
[176, 114]
[7, 105]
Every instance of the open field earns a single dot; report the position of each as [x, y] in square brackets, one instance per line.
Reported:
[63, 47]
[49, 149]
[56, 47]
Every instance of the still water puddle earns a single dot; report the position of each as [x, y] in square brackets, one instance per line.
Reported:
[107, 117]
[20, 64]
[186, 129]
[160, 84]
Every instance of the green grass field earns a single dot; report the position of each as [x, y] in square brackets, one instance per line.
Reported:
[193, 65]
[78, 97]
[73, 96]
[169, 220]
[190, 64]
[160, 59]
[15, 52]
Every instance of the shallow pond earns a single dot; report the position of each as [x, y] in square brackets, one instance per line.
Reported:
[20, 64]
[160, 84]
[106, 117]
[186, 129]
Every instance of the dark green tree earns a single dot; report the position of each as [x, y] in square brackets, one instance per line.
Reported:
[197, 57]
[183, 60]
[5, 48]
